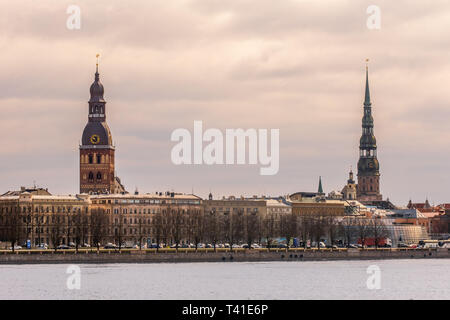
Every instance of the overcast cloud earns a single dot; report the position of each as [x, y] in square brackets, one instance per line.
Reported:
[295, 65]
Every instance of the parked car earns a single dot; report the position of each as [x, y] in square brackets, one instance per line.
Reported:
[86, 245]
[352, 246]
[16, 247]
[43, 246]
[109, 246]
[72, 244]
[63, 247]
[402, 245]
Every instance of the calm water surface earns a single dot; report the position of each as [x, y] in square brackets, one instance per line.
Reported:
[400, 279]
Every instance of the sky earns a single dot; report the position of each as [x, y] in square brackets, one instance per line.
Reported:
[293, 65]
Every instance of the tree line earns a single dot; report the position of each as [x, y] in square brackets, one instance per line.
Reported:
[176, 226]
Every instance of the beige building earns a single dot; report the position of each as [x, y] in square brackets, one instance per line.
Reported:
[310, 203]
[141, 218]
[88, 219]
[43, 218]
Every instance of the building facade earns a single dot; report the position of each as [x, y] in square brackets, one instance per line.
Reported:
[49, 219]
[149, 218]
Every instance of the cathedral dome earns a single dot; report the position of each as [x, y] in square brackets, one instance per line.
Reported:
[96, 133]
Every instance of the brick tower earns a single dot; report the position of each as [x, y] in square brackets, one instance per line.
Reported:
[96, 149]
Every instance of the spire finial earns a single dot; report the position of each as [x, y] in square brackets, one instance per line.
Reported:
[97, 56]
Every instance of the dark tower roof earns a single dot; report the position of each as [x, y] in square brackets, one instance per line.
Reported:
[367, 95]
[320, 189]
[96, 89]
[97, 133]
[100, 129]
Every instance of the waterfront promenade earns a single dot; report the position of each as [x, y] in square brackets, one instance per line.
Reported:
[209, 255]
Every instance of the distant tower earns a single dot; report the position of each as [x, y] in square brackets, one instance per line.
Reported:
[320, 189]
[96, 149]
[368, 165]
[349, 191]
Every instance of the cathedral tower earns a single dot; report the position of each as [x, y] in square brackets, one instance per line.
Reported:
[96, 149]
[368, 165]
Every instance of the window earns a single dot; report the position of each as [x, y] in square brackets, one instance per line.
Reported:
[91, 176]
[99, 176]
[99, 158]
[91, 159]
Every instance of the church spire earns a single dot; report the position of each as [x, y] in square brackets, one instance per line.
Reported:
[367, 95]
[97, 89]
[368, 165]
[320, 189]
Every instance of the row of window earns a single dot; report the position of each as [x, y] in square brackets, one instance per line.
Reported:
[94, 158]
[41, 209]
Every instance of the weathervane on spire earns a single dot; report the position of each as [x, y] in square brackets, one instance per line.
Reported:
[367, 63]
[97, 55]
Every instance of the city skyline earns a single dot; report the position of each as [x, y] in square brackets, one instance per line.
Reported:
[154, 88]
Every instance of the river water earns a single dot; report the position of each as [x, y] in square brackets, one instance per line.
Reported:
[399, 279]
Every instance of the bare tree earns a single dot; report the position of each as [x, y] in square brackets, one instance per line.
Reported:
[226, 225]
[57, 229]
[378, 230]
[305, 229]
[237, 226]
[141, 230]
[176, 223]
[198, 227]
[289, 227]
[347, 229]
[270, 228]
[15, 227]
[317, 228]
[157, 228]
[99, 226]
[331, 227]
[212, 226]
[166, 229]
[363, 230]
[251, 221]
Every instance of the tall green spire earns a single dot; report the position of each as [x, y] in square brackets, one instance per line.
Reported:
[320, 190]
[367, 96]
